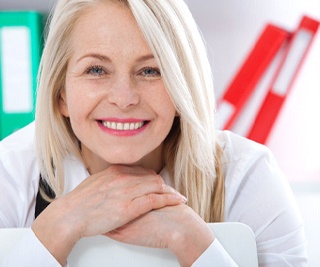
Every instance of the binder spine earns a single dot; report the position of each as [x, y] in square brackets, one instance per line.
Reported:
[246, 79]
[20, 50]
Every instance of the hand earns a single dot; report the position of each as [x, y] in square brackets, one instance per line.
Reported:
[101, 203]
[178, 228]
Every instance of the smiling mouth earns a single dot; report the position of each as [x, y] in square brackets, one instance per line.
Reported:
[127, 126]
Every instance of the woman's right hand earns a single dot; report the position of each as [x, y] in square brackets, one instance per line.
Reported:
[100, 204]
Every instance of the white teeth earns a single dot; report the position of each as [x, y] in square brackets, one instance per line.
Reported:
[122, 126]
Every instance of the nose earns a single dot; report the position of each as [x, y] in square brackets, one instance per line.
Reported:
[123, 93]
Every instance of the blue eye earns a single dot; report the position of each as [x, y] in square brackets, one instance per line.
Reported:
[95, 71]
[151, 72]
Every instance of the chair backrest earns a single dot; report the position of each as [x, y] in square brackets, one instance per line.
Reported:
[99, 251]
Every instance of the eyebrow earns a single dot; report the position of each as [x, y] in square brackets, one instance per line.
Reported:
[94, 55]
[145, 58]
[107, 59]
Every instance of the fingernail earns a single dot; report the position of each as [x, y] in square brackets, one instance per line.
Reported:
[184, 199]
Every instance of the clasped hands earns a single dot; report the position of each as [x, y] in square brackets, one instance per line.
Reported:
[128, 204]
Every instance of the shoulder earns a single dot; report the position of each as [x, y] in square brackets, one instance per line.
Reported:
[238, 149]
[247, 162]
[18, 147]
[21, 139]
[241, 156]
[252, 176]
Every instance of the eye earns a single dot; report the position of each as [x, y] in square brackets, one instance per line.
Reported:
[151, 72]
[96, 71]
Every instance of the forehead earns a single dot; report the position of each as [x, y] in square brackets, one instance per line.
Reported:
[108, 24]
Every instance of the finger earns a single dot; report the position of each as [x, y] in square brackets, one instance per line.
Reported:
[168, 189]
[146, 203]
[154, 185]
[118, 176]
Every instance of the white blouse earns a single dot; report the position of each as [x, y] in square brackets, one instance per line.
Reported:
[257, 194]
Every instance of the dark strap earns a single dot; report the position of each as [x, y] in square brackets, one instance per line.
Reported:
[41, 203]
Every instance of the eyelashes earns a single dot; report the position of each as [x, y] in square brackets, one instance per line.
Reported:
[151, 72]
[96, 71]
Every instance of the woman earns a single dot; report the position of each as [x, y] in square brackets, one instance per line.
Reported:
[126, 145]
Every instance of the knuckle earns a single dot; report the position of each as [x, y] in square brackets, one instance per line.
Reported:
[160, 182]
[152, 200]
[122, 176]
[114, 168]
[151, 171]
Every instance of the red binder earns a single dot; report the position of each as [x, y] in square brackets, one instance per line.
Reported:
[244, 83]
[284, 78]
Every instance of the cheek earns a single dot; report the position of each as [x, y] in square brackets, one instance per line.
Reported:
[71, 106]
[74, 100]
[167, 107]
[77, 108]
[166, 113]
[160, 100]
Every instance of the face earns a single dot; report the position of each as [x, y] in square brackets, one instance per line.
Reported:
[114, 95]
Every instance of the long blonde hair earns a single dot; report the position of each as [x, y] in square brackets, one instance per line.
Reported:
[191, 151]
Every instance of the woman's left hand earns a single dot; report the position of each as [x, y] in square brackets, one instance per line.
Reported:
[178, 228]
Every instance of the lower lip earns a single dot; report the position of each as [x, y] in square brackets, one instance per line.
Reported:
[123, 133]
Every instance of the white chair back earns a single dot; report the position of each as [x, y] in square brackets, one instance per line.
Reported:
[100, 251]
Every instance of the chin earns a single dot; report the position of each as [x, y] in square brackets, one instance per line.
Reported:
[130, 161]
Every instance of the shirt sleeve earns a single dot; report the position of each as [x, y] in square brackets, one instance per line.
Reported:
[29, 251]
[214, 255]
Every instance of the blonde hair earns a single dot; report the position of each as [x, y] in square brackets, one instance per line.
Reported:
[191, 151]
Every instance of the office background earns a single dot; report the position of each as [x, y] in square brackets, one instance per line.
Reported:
[230, 29]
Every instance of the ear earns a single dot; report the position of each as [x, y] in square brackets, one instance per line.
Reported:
[63, 107]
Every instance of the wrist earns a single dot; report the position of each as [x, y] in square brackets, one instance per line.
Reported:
[57, 234]
[188, 245]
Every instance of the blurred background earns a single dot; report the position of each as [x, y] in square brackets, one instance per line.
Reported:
[231, 29]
